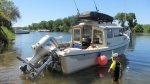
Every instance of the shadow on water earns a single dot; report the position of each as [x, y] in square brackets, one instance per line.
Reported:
[92, 75]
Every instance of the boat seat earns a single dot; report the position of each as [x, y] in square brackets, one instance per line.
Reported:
[86, 41]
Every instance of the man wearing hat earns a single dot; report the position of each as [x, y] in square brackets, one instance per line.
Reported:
[115, 69]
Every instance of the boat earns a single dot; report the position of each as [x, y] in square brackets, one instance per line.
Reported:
[43, 30]
[94, 36]
[21, 31]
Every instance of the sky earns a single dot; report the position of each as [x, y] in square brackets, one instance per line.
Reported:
[35, 11]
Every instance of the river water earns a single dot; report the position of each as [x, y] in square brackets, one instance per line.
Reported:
[135, 62]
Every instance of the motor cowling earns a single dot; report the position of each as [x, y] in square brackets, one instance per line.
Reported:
[42, 48]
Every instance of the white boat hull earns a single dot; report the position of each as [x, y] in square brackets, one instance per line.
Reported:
[77, 62]
[87, 58]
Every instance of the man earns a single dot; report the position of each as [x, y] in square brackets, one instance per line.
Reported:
[115, 69]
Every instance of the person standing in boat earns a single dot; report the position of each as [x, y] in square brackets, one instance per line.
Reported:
[115, 69]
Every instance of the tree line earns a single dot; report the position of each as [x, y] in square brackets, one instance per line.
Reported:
[58, 25]
[142, 28]
[65, 24]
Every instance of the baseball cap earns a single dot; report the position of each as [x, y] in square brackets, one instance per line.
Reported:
[115, 55]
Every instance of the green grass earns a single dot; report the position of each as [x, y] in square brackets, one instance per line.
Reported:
[10, 34]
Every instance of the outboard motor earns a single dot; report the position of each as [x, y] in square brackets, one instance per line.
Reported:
[55, 64]
[41, 49]
[45, 54]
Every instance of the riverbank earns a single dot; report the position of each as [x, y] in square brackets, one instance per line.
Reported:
[6, 37]
[9, 33]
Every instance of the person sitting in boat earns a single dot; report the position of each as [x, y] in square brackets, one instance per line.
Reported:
[115, 69]
[91, 45]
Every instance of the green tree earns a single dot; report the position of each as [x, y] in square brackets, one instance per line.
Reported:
[121, 17]
[65, 28]
[42, 25]
[146, 27]
[66, 21]
[9, 11]
[57, 24]
[73, 20]
[138, 28]
[30, 27]
[25, 28]
[132, 21]
[50, 24]
[35, 26]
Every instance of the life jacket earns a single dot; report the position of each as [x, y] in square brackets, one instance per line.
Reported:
[117, 69]
[113, 65]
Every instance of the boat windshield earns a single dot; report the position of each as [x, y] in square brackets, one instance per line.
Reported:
[76, 34]
[86, 38]
[87, 32]
[97, 36]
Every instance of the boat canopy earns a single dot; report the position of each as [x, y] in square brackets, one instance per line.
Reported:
[95, 16]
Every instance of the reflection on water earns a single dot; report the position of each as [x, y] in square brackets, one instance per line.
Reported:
[135, 63]
[132, 42]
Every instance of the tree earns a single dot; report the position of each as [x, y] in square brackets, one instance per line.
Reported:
[25, 28]
[73, 20]
[146, 27]
[132, 21]
[9, 11]
[138, 28]
[30, 27]
[58, 23]
[35, 26]
[4, 21]
[42, 25]
[50, 24]
[121, 17]
[66, 21]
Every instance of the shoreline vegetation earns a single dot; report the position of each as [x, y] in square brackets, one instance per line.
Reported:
[6, 38]
[58, 25]
[9, 14]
